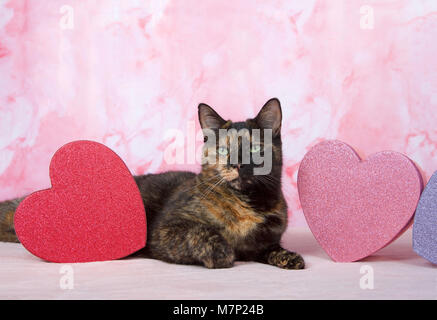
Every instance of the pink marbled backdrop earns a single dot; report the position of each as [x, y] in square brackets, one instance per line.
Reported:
[130, 71]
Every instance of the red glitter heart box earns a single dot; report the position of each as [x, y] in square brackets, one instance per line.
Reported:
[92, 212]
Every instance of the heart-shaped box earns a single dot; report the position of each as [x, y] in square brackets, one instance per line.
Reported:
[355, 207]
[425, 222]
[92, 212]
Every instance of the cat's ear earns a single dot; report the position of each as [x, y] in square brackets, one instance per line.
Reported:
[270, 117]
[208, 118]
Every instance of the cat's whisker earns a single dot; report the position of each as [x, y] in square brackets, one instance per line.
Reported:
[285, 187]
[267, 182]
[211, 189]
[201, 183]
[208, 182]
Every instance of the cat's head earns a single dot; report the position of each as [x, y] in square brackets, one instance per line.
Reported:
[248, 154]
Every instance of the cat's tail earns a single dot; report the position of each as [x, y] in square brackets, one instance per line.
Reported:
[7, 212]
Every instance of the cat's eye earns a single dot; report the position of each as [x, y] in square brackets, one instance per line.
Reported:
[223, 151]
[255, 148]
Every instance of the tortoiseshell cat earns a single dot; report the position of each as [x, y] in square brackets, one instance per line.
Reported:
[223, 214]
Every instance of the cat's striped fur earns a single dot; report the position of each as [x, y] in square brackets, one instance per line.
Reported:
[7, 210]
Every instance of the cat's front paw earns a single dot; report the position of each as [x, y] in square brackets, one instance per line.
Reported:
[286, 260]
[219, 253]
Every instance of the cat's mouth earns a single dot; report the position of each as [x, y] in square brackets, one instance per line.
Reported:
[232, 177]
